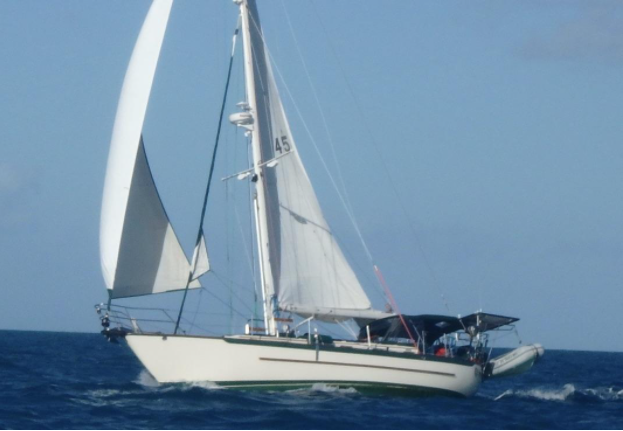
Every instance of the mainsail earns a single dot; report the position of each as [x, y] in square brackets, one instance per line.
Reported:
[140, 253]
[307, 271]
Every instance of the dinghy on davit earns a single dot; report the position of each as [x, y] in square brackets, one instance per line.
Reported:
[514, 362]
[304, 276]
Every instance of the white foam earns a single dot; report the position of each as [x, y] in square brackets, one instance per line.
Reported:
[103, 393]
[563, 394]
[146, 380]
[606, 394]
[103, 397]
[203, 385]
[503, 394]
[325, 388]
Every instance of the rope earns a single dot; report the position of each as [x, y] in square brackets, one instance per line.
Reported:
[210, 175]
[395, 307]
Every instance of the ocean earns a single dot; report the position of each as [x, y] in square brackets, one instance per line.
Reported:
[75, 381]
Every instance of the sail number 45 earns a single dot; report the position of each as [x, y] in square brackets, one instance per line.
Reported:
[282, 146]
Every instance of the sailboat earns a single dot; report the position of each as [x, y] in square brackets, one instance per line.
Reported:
[304, 276]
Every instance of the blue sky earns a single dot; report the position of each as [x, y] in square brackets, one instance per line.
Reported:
[498, 123]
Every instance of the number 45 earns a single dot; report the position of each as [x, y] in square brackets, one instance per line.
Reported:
[283, 146]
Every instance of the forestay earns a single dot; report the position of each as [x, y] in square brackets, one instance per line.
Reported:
[310, 275]
[140, 253]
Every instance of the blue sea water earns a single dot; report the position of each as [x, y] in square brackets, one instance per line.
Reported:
[75, 381]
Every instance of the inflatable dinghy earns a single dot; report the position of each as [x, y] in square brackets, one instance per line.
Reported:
[514, 362]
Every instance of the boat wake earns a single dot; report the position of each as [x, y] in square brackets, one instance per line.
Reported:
[203, 385]
[146, 380]
[324, 388]
[567, 393]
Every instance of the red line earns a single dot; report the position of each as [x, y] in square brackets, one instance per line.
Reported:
[379, 275]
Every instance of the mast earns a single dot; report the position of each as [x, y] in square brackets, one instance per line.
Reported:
[258, 177]
[302, 268]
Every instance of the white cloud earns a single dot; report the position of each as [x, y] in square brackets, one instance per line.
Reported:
[596, 34]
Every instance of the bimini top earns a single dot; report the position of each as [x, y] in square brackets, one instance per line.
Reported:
[431, 326]
[487, 322]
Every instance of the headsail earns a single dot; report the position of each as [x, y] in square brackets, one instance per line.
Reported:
[308, 273]
[140, 253]
[200, 261]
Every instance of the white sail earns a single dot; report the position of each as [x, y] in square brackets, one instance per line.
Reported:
[140, 253]
[308, 271]
[200, 261]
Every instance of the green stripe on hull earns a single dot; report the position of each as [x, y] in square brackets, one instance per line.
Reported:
[362, 387]
[323, 348]
[350, 350]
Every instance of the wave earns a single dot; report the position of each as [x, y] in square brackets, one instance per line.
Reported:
[567, 393]
[324, 388]
[202, 385]
[146, 380]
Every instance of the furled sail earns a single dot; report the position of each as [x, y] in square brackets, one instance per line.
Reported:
[140, 253]
[309, 273]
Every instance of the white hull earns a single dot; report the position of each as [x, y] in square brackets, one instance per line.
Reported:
[288, 363]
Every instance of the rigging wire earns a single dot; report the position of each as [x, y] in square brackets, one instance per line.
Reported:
[344, 191]
[340, 195]
[324, 327]
[320, 110]
[348, 329]
[317, 149]
[228, 260]
[222, 301]
[387, 172]
[229, 204]
[197, 308]
[249, 250]
[224, 282]
[210, 175]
